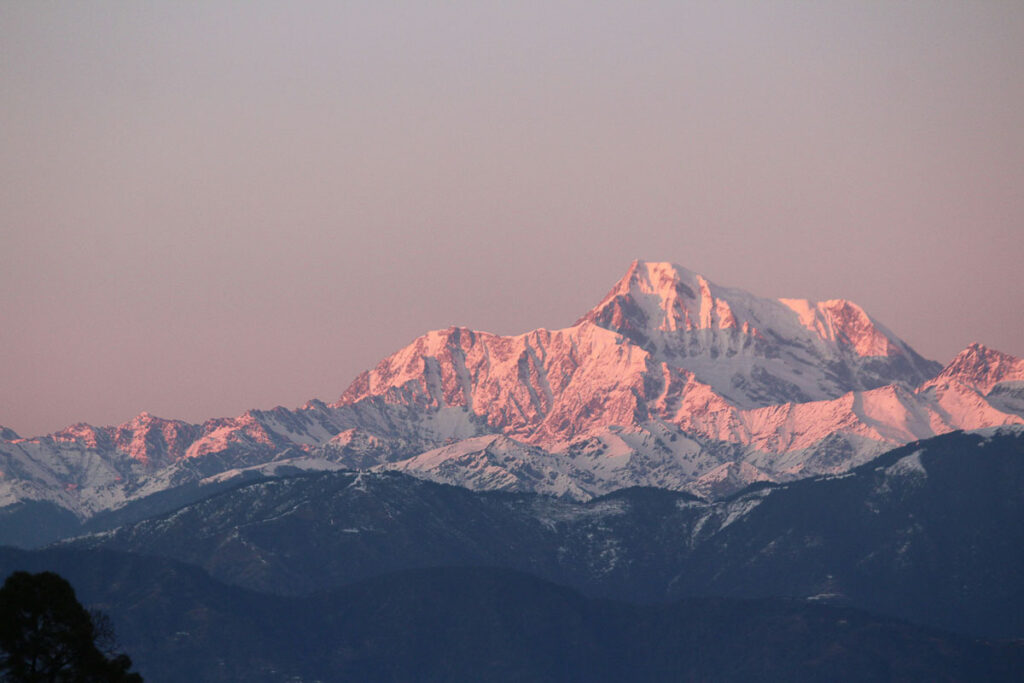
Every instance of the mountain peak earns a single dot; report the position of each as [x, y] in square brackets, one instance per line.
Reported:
[658, 297]
[142, 419]
[654, 277]
[983, 368]
[846, 323]
[663, 297]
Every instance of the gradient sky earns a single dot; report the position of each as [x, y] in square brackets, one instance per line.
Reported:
[208, 207]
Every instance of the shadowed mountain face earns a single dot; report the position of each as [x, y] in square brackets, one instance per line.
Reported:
[929, 532]
[469, 624]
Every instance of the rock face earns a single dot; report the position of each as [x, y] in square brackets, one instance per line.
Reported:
[670, 381]
[665, 343]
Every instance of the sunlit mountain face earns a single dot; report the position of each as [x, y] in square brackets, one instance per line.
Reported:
[670, 381]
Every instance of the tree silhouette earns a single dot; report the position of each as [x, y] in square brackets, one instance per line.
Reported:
[46, 635]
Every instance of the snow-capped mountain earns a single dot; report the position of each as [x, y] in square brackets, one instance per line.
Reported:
[671, 377]
[670, 381]
[665, 342]
[779, 350]
[88, 469]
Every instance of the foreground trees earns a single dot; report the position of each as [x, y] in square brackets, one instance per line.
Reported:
[46, 635]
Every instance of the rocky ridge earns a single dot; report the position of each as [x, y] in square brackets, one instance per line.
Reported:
[670, 381]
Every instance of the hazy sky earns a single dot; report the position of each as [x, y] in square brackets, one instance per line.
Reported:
[213, 206]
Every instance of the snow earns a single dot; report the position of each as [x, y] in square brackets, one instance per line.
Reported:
[908, 466]
[1005, 430]
[691, 385]
[739, 509]
[963, 407]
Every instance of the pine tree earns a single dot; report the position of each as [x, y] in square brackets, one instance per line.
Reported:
[47, 636]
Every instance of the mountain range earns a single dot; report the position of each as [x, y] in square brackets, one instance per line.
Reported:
[883, 537]
[906, 568]
[689, 483]
[671, 381]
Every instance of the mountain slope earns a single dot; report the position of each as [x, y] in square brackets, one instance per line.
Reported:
[929, 532]
[469, 624]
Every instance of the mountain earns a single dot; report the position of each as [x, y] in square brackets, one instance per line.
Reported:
[783, 350]
[671, 381]
[663, 334]
[929, 532]
[88, 470]
[471, 624]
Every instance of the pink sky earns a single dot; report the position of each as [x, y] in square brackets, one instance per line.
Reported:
[209, 207]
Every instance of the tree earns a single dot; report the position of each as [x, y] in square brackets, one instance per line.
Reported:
[47, 636]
